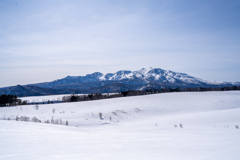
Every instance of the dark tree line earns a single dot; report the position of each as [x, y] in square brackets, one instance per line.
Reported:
[97, 96]
[89, 97]
[10, 100]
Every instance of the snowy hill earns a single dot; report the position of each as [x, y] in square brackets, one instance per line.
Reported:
[168, 126]
[152, 78]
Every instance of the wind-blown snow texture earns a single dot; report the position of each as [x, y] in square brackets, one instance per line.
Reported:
[142, 127]
[152, 78]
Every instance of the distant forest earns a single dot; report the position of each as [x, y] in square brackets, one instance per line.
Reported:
[97, 96]
[12, 100]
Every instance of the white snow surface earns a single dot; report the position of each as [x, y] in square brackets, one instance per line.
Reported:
[53, 98]
[44, 98]
[142, 127]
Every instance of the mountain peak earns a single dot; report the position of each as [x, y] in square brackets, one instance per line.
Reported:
[145, 75]
[97, 74]
[145, 70]
[123, 80]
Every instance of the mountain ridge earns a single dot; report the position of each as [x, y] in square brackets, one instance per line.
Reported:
[123, 80]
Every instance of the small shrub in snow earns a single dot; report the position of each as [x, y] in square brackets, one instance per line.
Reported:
[110, 119]
[35, 119]
[100, 115]
[236, 126]
[47, 121]
[24, 118]
[66, 123]
[52, 121]
[36, 106]
[115, 113]
[53, 111]
[175, 125]
[181, 126]
[56, 121]
[17, 119]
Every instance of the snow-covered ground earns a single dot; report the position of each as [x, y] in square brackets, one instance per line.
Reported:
[51, 98]
[39, 99]
[140, 127]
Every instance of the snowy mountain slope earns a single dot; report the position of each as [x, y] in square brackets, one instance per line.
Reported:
[28, 90]
[152, 78]
[141, 77]
[142, 127]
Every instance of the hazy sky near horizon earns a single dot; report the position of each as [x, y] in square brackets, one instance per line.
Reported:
[45, 40]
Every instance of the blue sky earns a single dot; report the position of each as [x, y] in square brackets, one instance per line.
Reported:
[44, 40]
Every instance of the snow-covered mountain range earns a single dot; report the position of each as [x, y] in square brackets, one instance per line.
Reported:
[151, 78]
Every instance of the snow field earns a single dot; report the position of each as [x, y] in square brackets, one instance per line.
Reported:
[142, 127]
